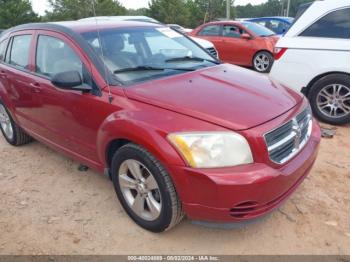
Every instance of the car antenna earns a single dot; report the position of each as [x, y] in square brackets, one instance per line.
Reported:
[110, 97]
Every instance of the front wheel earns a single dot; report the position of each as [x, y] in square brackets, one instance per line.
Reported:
[330, 99]
[263, 61]
[145, 189]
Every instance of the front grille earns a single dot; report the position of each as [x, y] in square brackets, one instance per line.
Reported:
[213, 52]
[287, 140]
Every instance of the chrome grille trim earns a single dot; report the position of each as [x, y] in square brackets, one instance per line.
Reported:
[284, 142]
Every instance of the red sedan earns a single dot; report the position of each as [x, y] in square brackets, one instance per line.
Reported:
[241, 43]
[176, 131]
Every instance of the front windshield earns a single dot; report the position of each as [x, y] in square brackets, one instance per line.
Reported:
[140, 54]
[258, 29]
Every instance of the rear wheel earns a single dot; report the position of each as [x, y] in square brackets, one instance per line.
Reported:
[263, 61]
[330, 99]
[145, 189]
[13, 134]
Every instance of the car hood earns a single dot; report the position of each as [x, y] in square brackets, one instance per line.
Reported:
[225, 95]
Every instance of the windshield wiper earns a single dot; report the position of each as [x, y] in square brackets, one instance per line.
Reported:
[191, 58]
[267, 35]
[151, 68]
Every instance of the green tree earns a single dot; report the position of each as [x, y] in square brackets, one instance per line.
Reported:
[294, 6]
[169, 12]
[15, 12]
[140, 11]
[76, 9]
[270, 8]
[207, 10]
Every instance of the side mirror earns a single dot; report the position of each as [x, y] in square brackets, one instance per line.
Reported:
[246, 36]
[70, 80]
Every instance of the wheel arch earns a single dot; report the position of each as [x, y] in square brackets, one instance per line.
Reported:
[305, 90]
[113, 147]
[258, 51]
[115, 132]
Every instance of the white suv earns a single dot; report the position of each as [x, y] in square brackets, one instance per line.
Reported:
[314, 57]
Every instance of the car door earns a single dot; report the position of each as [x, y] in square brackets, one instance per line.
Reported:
[16, 77]
[212, 33]
[235, 49]
[67, 119]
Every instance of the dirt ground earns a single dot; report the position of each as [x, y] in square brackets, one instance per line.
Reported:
[48, 207]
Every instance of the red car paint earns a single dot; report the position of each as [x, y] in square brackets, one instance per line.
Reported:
[239, 51]
[221, 98]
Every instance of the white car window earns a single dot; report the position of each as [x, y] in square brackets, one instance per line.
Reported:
[334, 25]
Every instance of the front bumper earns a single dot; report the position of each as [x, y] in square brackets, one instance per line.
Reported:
[243, 192]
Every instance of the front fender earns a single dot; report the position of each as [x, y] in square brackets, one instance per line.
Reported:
[133, 127]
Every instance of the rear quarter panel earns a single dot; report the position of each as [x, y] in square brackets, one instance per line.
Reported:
[309, 57]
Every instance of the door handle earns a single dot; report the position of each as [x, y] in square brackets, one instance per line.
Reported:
[35, 87]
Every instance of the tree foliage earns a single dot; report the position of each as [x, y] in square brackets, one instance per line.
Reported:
[270, 8]
[77, 9]
[140, 11]
[188, 13]
[169, 12]
[204, 11]
[15, 12]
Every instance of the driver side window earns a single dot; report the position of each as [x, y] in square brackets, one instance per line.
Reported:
[55, 56]
[232, 31]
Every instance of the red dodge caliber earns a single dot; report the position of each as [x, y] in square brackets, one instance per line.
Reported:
[177, 132]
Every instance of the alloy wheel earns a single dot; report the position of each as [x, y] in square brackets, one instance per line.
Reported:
[261, 62]
[334, 100]
[5, 122]
[140, 190]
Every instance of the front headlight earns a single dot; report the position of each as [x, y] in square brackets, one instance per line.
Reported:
[212, 149]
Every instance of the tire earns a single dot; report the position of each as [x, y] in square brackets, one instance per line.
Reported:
[170, 212]
[13, 133]
[263, 61]
[328, 93]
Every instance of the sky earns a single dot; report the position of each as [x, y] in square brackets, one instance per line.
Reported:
[40, 6]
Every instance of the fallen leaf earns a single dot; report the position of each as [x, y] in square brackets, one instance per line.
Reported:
[76, 240]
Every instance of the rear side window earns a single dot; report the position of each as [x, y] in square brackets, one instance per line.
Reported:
[333, 25]
[19, 55]
[54, 56]
[210, 30]
[3, 47]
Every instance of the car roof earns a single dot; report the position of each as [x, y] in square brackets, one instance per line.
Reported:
[224, 22]
[284, 18]
[83, 26]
